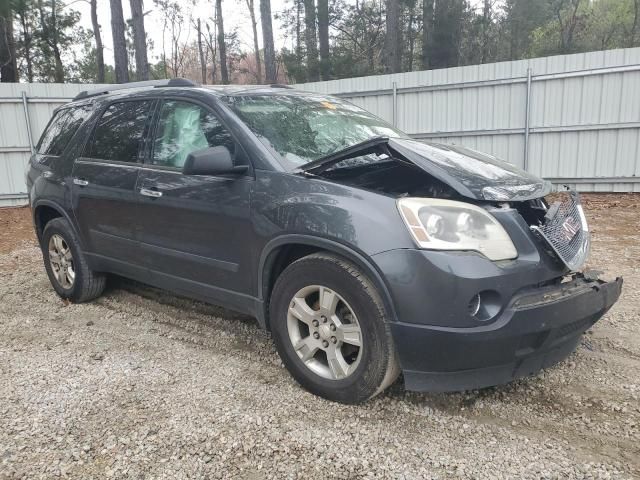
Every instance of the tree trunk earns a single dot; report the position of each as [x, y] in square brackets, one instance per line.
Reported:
[513, 37]
[572, 25]
[55, 46]
[427, 33]
[8, 64]
[50, 41]
[411, 39]
[567, 28]
[267, 40]
[447, 32]
[487, 12]
[323, 39]
[298, 30]
[98, 38]
[27, 38]
[119, 42]
[393, 54]
[164, 49]
[45, 49]
[210, 41]
[256, 47]
[176, 60]
[224, 73]
[634, 25]
[311, 41]
[139, 40]
[203, 64]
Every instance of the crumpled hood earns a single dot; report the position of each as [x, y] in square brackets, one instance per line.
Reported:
[472, 174]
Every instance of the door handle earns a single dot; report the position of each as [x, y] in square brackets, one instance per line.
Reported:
[150, 193]
[80, 182]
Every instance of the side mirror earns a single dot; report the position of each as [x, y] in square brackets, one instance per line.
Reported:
[212, 161]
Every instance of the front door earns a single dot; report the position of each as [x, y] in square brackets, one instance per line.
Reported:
[104, 181]
[195, 230]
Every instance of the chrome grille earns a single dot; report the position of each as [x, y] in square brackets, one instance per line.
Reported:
[565, 230]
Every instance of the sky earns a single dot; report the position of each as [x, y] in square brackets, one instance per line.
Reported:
[234, 13]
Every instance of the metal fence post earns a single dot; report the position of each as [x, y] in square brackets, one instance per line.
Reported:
[525, 163]
[25, 107]
[395, 104]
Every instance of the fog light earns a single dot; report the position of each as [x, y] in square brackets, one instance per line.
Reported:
[484, 305]
[474, 305]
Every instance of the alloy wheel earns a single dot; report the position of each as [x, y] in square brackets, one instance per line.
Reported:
[324, 332]
[61, 260]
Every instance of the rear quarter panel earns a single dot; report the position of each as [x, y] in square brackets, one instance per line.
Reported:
[49, 177]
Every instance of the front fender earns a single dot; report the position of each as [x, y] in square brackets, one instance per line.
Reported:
[290, 209]
[293, 204]
[272, 248]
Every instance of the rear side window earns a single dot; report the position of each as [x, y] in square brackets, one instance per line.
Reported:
[61, 129]
[119, 132]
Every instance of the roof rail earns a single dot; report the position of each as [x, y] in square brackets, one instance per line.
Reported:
[280, 85]
[172, 82]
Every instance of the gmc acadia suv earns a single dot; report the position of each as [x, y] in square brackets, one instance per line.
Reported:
[364, 252]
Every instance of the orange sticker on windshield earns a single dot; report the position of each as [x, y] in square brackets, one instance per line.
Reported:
[328, 105]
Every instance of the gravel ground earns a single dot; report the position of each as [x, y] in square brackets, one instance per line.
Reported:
[144, 384]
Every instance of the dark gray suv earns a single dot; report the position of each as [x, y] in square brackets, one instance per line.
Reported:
[364, 252]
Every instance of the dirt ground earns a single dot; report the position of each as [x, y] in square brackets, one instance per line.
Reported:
[144, 384]
[15, 228]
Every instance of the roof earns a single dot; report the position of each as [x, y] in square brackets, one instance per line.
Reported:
[237, 89]
[180, 83]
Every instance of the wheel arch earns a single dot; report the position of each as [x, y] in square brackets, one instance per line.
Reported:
[45, 211]
[282, 251]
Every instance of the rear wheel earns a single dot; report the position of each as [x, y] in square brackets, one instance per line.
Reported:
[329, 327]
[66, 265]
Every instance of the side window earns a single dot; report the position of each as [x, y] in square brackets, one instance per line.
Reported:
[120, 131]
[61, 129]
[183, 128]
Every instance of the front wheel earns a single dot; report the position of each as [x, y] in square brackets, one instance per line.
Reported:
[329, 327]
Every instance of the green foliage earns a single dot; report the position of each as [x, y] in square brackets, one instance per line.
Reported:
[53, 46]
[46, 39]
[359, 40]
[296, 70]
[86, 67]
[157, 70]
[481, 31]
[596, 25]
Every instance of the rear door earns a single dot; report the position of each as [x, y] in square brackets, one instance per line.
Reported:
[104, 181]
[195, 231]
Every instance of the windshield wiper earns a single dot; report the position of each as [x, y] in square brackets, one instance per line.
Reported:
[371, 145]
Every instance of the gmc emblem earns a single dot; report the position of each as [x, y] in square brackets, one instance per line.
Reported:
[570, 227]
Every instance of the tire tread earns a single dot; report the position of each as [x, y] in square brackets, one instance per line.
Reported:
[372, 385]
[89, 284]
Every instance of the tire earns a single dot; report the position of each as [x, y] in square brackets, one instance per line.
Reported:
[355, 373]
[86, 284]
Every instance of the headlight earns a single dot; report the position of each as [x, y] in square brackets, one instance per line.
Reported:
[438, 224]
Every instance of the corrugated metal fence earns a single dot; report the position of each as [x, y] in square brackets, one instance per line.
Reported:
[574, 119]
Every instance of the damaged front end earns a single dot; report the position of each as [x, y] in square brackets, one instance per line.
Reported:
[565, 231]
[492, 291]
[407, 169]
[463, 172]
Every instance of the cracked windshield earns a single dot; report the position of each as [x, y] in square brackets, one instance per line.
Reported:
[302, 129]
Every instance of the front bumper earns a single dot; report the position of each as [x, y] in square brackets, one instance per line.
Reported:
[538, 328]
